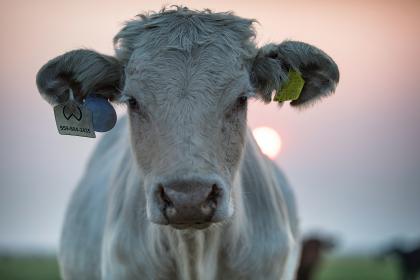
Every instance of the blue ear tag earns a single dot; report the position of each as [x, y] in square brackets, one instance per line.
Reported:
[104, 116]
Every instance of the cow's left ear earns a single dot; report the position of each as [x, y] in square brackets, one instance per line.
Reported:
[273, 62]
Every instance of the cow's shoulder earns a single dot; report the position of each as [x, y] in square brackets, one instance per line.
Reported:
[269, 230]
[84, 223]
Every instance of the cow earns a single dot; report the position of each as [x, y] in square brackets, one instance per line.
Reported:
[311, 255]
[179, 189]
[408, 259]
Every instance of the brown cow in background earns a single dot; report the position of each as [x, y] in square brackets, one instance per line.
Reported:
[312, 250]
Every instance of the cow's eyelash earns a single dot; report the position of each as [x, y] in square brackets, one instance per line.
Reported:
[245, 96]
[130, 101]
[122, 99]
[136, 107]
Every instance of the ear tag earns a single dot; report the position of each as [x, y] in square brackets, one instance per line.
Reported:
[292, 89]
[73, 118]
[103, 114]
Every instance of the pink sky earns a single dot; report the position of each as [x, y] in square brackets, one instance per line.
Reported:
[353, 159]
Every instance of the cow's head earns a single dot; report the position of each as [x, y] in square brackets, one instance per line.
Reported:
[186, 78]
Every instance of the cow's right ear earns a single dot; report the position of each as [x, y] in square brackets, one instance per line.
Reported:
[84, 71]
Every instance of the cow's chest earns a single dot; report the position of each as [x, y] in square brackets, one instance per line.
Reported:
[220, 263]
[198, 256]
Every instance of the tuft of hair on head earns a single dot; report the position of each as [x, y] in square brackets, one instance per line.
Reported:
[182, 28]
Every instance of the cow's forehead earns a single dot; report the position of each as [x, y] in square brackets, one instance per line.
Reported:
[186, 52]
[173, 72]
[200, 57]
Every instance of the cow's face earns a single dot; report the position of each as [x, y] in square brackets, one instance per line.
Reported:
[188, 123]
[186, 77]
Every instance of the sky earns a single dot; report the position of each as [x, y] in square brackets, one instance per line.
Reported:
[353, 159]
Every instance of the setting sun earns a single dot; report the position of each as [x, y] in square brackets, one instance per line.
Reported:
[269, 141]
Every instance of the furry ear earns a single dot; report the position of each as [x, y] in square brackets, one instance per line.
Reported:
[84, 71]
[273, 62]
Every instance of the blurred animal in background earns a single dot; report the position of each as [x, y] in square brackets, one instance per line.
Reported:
[313, 248]
[183, 159]
[408, 258]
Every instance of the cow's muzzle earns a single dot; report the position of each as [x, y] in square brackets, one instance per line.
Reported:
[190, 203]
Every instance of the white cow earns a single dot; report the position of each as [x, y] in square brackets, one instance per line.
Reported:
[179, 189]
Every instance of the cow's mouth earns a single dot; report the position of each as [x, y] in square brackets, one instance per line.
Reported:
[190, 226]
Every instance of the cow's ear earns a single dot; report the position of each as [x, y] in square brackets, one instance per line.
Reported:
[273, 63]
[84, 71]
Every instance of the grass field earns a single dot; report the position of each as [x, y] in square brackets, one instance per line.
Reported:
[343, 268]
[28, 268]
[358, 268]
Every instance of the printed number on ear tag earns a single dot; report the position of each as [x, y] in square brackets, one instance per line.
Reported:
[74, 119]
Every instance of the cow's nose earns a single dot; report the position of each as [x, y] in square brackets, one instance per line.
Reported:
[187, 203]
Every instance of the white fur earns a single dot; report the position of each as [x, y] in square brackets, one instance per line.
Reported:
[106, 234]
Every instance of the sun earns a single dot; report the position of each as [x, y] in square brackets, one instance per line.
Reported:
[269, 141]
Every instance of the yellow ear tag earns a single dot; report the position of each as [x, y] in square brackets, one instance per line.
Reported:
[292, 89]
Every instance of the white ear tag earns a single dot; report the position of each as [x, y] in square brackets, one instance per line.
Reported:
[73, 118]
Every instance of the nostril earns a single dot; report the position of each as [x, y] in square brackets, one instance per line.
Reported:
[214, 194]
[210, 204]
[165, 199]
[168, 206]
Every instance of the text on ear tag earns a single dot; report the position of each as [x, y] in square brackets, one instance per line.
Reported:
[292, 89]
[74, 119]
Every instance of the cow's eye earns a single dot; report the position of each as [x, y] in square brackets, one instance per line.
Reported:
[242, 100]
[133, 104]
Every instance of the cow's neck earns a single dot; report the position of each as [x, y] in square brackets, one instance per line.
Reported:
[193, 252]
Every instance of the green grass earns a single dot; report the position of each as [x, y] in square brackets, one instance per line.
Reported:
[337, 268]
[28, 268]
[357, 268]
